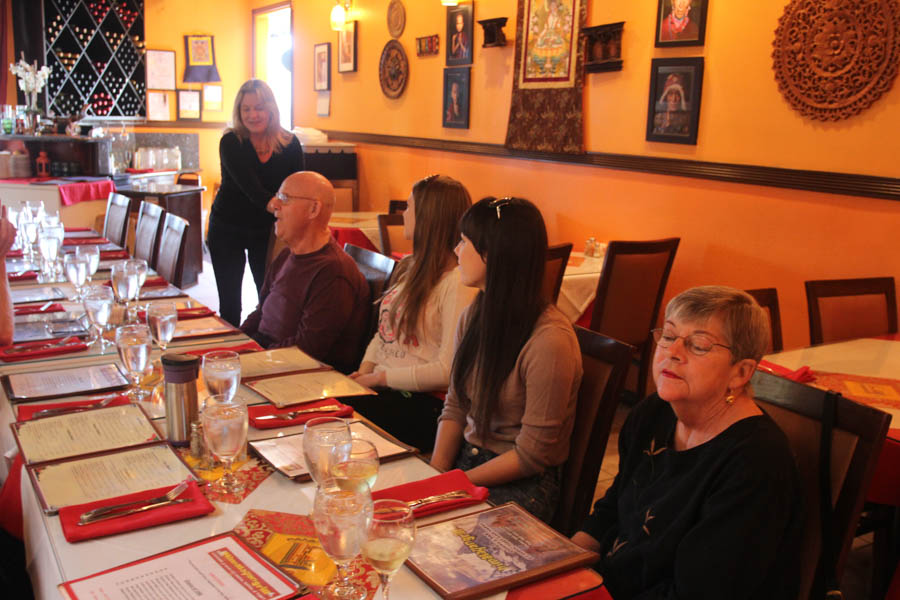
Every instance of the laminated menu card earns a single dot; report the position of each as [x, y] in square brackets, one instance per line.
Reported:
[305, 387]
[489, 551]
[223, 566]
[203, 327]
[41, 385]
[285, 453]
[274, 362]
[36, 294]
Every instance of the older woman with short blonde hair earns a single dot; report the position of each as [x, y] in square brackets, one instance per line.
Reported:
[707, 501]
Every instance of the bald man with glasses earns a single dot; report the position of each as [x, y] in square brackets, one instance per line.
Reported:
[314, 296]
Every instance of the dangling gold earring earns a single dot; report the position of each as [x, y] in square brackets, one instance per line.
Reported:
[729, 399]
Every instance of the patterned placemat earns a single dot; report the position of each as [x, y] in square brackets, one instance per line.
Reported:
[874, 391]
[250, 472]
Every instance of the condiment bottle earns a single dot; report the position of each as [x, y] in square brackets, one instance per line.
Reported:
[180, 372]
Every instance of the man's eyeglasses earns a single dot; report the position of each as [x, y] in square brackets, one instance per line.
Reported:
[697, 344]
[500, 203]
[288, 198]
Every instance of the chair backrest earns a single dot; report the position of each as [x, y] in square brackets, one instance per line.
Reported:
[170, 258]
[605, 362]
[630, 292]
[843, 309]
[148, 231]
[188, 179]
[390, 229]
[396, 207]
[768, 299]
[557, 257]
[377, 269]
[115, 224]
[857, 437]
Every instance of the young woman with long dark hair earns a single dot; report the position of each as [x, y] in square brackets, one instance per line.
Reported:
[412, 350]
[511, 404]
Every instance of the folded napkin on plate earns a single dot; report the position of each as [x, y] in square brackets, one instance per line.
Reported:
[85, 241]
[39, 349]
[439, 484]
[801, 375]
[23, 276]
[185, 313]
[151, 282]
[111, 254]
[77, 229]
[68, 516]
[35, 309]
[26, 411]
[15, 254]
[250, 346]
[268, 409]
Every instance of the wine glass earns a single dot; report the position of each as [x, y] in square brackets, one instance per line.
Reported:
[125, 280]
[392, 532]
[354, 464]
[92, 253]
[51, 217]
[161, 318]
[76, 272]
[341, 519]
[319, 437]
[225, 430]
[221, 371]
[98, 302]
[49, 245]
[133, 343]
[35, 208]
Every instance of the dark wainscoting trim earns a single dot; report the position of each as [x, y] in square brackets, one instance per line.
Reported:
[815, 181]
[221, 125]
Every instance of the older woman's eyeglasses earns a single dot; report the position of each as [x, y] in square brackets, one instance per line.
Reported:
[697, 344]
[500, 203]
[288, 198]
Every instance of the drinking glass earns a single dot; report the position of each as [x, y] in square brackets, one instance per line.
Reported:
[392, 532]
[221, 371]
[225, 430]
[161, 318]
[49, 245]
[133, 343]
[76, 272]
[341, 519]
[35, 208]
[125, 282]
[92, 253]
[354, 464]
[51, 217]
[139, 266]
[98, 302]
[319, 437]
[8, 119]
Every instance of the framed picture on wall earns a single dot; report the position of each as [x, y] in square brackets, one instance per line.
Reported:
[160, 105]
[212, 97]
[322, 67]
[161, 69]
[347, 48]
[456, 97]
[681, 22]
[188, 105]
[460, 34]
[673, 111]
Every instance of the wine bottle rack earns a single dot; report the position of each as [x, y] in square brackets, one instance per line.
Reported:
[95, 49]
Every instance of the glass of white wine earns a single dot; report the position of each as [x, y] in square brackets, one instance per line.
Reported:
[391, 534]
[133, 343]
[320, 435]
[225, 430]
[221, 371]
[354, 464]
[161, 319]
[341, 519]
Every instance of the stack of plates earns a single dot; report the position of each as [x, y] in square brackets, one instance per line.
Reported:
[20, 165]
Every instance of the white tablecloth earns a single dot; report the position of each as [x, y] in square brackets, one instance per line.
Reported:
[579, 285]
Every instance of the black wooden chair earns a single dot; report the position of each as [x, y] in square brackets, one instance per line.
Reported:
[148, 231]
[768, 299]
[170, 257]
[557, 257]
[844, 309]
[390, 230]
[377, 269]
[115, 224]
[396, 207]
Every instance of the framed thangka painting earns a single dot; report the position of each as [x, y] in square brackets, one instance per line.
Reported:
[550, 45]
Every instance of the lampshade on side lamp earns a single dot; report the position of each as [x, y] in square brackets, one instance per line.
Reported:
[339, 14]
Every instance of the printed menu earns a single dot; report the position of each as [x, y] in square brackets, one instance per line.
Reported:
[306, 387]
[39, 385]
[273, 362]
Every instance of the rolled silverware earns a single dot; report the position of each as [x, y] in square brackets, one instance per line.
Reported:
[96, 519]
[61, 410]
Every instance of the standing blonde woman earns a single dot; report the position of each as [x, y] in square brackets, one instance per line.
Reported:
[257, 154]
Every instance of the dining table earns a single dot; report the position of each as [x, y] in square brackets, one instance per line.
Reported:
[358, 228]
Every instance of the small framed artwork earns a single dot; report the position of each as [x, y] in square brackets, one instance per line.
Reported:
[673, 112]
[161, 69]
[460, 34]
[347, 48]
[427, 45]
[456, 97]
[160, 105]
[188, 105]
[212, 97]
[322, 67]
[681, 22]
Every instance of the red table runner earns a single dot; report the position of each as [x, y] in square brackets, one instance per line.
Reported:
[76, 191]
[352, 235]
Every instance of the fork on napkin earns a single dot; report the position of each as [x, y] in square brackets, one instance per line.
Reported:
[439, 484]
[30, 350]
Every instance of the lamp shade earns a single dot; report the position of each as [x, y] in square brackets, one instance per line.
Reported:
[338, 17]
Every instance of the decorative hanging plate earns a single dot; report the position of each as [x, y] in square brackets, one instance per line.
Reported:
[393, 69]
[834, 58]
[396, 18]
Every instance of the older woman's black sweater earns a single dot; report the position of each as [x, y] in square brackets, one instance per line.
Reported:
[721, 520]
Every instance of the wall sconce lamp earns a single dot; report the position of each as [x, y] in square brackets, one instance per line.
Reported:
[339, 14]
[449, 2]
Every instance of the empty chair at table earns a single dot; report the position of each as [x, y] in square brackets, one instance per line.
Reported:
[170, 257]
[115, 223]
[393, 238]
[767, 298]
[557, 258]
[843, 309]
[148, 231]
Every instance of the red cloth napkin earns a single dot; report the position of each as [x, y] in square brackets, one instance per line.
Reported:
[23, 276]
[40, 350]
[85, 241]
[439, 484]
[151, 282]
[185, 313]
[15, 254]
[35, 309]
[68, 516]
[269, 409]
[110, 254]
[138, 171]
[250, 346]
[801, 375]
[76, 229]
[26, 411]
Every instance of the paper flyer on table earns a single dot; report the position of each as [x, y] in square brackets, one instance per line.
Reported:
[306, 387]
[280, 360]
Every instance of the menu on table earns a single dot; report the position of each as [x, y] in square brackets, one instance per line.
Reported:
[202, 327]
[36, 294]
[46, 329]
[285, 453]
[40, 385]
[153, 293]
[223, 566]
[306, 387]
[101, 476]
[273, 362]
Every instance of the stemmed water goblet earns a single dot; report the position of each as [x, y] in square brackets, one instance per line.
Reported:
[98, 302]
[221, 370]
[29, 230]
[51, 217]
[133, 343]
[76, 268]
[341, 519]
[161, 319]
[320, 435]
[92, 253]
[49, 244]
[391, 534]
[225, 431]
[354, 464]
[124, 278]
[139, 266]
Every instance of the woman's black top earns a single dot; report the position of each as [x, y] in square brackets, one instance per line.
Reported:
[721, 520]
[248, 184]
